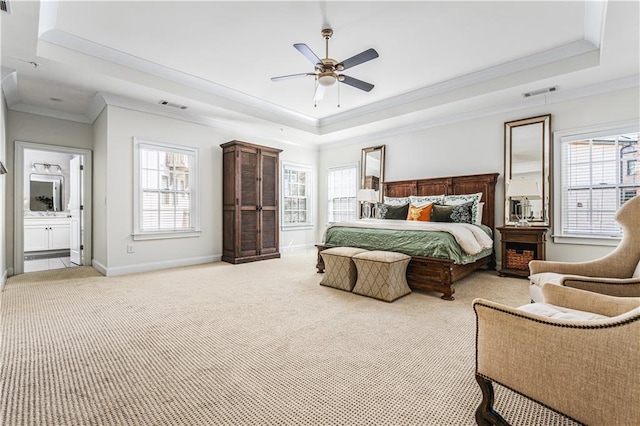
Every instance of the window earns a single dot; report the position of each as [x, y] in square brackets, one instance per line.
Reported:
[165, 181]
[342, 187]
[296, 190]
[598, 175]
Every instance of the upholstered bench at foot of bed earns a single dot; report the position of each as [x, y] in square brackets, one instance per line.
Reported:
[340, 269]
[382, 275]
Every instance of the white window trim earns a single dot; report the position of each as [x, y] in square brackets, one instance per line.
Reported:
[345, 166]
[138, 234]
[297, 226]
[559, 137]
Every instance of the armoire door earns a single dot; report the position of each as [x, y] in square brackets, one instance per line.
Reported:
[249, 220]
[269, 203]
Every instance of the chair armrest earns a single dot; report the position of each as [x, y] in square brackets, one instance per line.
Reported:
[622, 287]
[595, 268]
[563, 364]
[588, 301]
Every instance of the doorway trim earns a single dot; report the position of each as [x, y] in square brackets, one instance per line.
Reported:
[18, 199]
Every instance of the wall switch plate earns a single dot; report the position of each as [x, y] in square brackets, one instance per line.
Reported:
[129, 248]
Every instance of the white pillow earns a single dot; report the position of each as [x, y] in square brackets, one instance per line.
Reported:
[479, 215]
[423, 200]
[396, 201]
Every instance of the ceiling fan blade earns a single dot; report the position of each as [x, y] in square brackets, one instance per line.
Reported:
[358, 84]
[358, 59]
[308, 53]
[320, 89]
[287, 77]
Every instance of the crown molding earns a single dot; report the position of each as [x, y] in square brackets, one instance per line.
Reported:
[610, 86]
[515, 72]
[570, 56]
[52, 113]
[595, 13]
[95, 108]
[10, 86]
[257, 130]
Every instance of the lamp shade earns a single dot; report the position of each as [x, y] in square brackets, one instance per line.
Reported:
[367, 195]
[524, 188]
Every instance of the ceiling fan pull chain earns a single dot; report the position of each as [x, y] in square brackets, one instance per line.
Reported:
[315, 101]
[338, 95]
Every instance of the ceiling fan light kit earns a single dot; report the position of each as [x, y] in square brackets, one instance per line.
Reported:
[326, 69]
[326, 78]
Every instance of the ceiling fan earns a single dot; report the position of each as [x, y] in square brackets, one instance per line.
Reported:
[326, 70]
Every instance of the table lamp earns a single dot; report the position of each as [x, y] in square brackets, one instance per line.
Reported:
[367, 196]
[524, 190]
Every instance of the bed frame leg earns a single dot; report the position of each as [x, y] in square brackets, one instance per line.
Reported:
[448, 294]
[447, 297]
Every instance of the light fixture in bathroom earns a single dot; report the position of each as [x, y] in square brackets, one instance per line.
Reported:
[46, 167]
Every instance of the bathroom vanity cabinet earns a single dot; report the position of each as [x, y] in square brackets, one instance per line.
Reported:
[46, 233]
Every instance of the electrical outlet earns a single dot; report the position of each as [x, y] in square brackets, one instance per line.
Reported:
[129, 248]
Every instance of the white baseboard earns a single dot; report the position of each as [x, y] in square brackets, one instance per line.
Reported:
[3, 280]
[152, 266]
[99, 267]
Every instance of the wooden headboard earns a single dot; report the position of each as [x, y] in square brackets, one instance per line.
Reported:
[452, 185]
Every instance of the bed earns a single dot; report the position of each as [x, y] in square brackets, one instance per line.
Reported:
[435, 273]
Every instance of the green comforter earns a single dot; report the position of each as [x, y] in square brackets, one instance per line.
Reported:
[414, 243]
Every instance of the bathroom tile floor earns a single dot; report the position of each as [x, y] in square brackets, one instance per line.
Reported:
[47, 264]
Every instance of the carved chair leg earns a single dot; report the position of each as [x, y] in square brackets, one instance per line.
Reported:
[485, 414]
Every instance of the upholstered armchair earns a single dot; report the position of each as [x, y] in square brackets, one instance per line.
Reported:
[616, 274]
[578, 354]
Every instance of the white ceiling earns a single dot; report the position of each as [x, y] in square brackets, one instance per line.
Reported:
[438, 60]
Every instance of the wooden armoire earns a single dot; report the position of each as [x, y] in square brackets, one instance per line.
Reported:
[249, 202]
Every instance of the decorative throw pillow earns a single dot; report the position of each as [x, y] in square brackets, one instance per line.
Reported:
[420, 213]
[420, 200]
[461, 213]
[396, 201]
[453, 200]
[386, 211]
[479, 215]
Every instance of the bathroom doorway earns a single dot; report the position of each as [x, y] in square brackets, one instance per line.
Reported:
[52, 208]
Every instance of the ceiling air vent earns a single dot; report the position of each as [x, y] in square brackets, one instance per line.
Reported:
[540, 91]
[4, 6]
[172, 105]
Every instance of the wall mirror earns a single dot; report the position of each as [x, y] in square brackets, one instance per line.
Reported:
[372, 172]
[45, 192]
[527, 171]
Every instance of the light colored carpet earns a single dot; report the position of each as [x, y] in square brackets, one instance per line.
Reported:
[260, 343]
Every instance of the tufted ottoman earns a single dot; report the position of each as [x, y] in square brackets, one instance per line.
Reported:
[340, 272]
[382, 275]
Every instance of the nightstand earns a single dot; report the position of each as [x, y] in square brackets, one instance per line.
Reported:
[520, 245]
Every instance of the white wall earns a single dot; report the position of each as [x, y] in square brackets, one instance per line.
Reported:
[122, 125]
[293, 239]
[470, 147]
[476, 146]
[100, 231]
[3, 191]
[26, 127]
